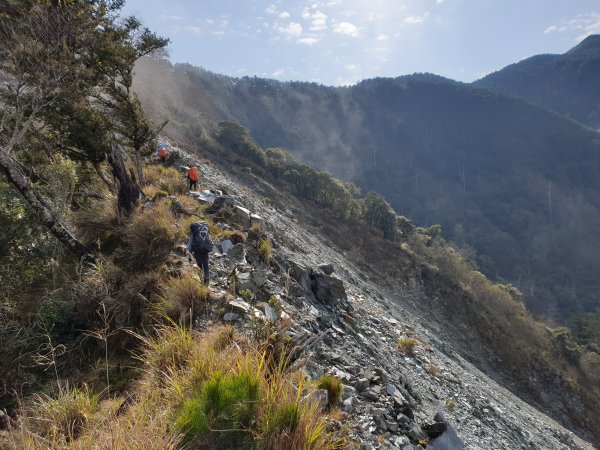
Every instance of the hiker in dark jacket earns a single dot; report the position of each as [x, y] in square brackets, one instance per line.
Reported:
[200, 246]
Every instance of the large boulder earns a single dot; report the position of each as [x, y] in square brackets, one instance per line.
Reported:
[328, 289]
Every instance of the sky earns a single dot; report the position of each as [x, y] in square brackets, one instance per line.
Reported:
[340, 42]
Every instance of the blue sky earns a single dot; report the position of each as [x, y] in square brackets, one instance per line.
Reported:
[337, 42]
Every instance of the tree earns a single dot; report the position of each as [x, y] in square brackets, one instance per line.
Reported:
[67, 69]
[379, 214]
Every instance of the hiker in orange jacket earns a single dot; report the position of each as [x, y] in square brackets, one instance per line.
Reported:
[193, 176]
[163, 153]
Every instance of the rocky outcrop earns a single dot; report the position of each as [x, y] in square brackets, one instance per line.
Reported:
[340, 322]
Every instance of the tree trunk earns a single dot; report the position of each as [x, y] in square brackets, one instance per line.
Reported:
[139, 167]
[103, 177]
[129, 191]
[47, 216]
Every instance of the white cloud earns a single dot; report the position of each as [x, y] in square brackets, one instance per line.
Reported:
[293, 29]
[318, 19]
[308, 40]
[170, 18]
[278, 73]
[439, 2]
[583, 24]
[352, 66]
[415, 20]
[188, 29]
[284, 15]
[271, 9]
[346, 28]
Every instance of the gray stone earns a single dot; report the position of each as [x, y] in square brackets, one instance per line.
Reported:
[328, 289]
[302, 276]
[223, 201]
[415, 433]
[362, 384]
[237, 253]
[439, 417]
[390, 389]
[348, 391]
[226, 245]
[380, 422]
[270, 313]
[328, 269]
[392, 426]
[399, 399]
[255, 219]
[258, 277]
[239, 306]
[242, 215]
[204, 196]
[244, 282]
[350, 404]
[319, 397]
[448, 440]
[369, 395]
[231, 316]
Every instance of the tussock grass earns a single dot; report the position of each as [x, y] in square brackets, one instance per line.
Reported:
[333, 386]
[166, 179]
[407, 345]
[98, 223]
[150, 236]
[209, 391]
[64, 416]
[181, 294]
[265, 252]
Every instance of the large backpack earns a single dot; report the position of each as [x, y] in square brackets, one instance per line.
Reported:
[200, 237]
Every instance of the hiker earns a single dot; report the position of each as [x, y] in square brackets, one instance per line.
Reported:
[163, 153]
[193, 176]
[200, 246]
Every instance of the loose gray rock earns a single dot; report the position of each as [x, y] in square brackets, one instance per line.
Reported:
[226, 245]
[237, 253]
[362, 384]
[328, 289]
[448, 440]
[231, 317]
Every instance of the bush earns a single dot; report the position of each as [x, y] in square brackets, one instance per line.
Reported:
[150, 236]
[333, 386]
[379, 214]
[407, 345]
[222, 414]
[182, 294]
[265, 252]
[98, 223]
[66, 415]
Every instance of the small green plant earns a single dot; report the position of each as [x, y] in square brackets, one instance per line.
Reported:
[275, 303]
[333, 386]
[450, 404]
[246, 294]
[283, 418]
[65, 415]
[265, 252]
[223, 412]
[407, 345]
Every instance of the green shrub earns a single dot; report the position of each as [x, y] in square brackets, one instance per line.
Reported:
[283, 418]
[223, 412]
[265, 252]
[333, 386]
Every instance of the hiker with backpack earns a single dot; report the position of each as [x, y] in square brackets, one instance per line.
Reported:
[193, 176]
[163, 153]
[200, 246]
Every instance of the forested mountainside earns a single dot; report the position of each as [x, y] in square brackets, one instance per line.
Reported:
[514, 184]
[566, 83]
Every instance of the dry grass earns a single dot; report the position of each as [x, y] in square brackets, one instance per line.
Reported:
[98, 223]
[166, 179]
[150, 236]
[182, 295]
[265, 252]
[191, 385]
[407, 345]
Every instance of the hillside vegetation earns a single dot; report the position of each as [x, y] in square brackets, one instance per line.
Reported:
[512, 182]
[566, 83]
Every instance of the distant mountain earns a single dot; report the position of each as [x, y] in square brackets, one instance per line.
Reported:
[567, 83]
[514, 184]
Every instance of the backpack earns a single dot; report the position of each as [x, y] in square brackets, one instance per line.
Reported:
[163, 152]
[200, 237]
[193, 174]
